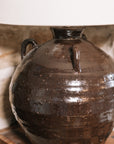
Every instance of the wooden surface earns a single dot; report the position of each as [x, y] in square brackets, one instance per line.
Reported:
[15, 135]
[110, 139]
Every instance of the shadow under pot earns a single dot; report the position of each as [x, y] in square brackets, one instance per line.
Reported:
[62, 91]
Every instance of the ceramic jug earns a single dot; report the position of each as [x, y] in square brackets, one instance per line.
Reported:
[62, 92]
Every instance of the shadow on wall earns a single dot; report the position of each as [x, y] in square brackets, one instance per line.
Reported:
[11, 38]
[102, 37]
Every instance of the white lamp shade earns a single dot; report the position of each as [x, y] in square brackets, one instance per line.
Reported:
[57, 12]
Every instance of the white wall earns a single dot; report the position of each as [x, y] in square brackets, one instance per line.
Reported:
[57, 12]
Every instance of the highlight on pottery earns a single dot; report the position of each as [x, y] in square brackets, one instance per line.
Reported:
[62, 91]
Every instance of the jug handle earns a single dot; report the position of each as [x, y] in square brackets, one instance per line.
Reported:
[24, 46]
[76, 59]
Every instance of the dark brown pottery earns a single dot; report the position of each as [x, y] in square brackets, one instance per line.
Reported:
[62, 91]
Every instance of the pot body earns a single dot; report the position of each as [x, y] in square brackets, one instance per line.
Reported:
[62, 92]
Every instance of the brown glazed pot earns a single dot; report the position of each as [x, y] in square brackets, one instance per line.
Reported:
[62, 91]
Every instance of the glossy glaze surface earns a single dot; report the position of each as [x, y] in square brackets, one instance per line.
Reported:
[62, 92]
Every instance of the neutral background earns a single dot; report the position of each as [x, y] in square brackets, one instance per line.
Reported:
[57, 12]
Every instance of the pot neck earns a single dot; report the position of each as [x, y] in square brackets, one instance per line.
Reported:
[67, 33]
